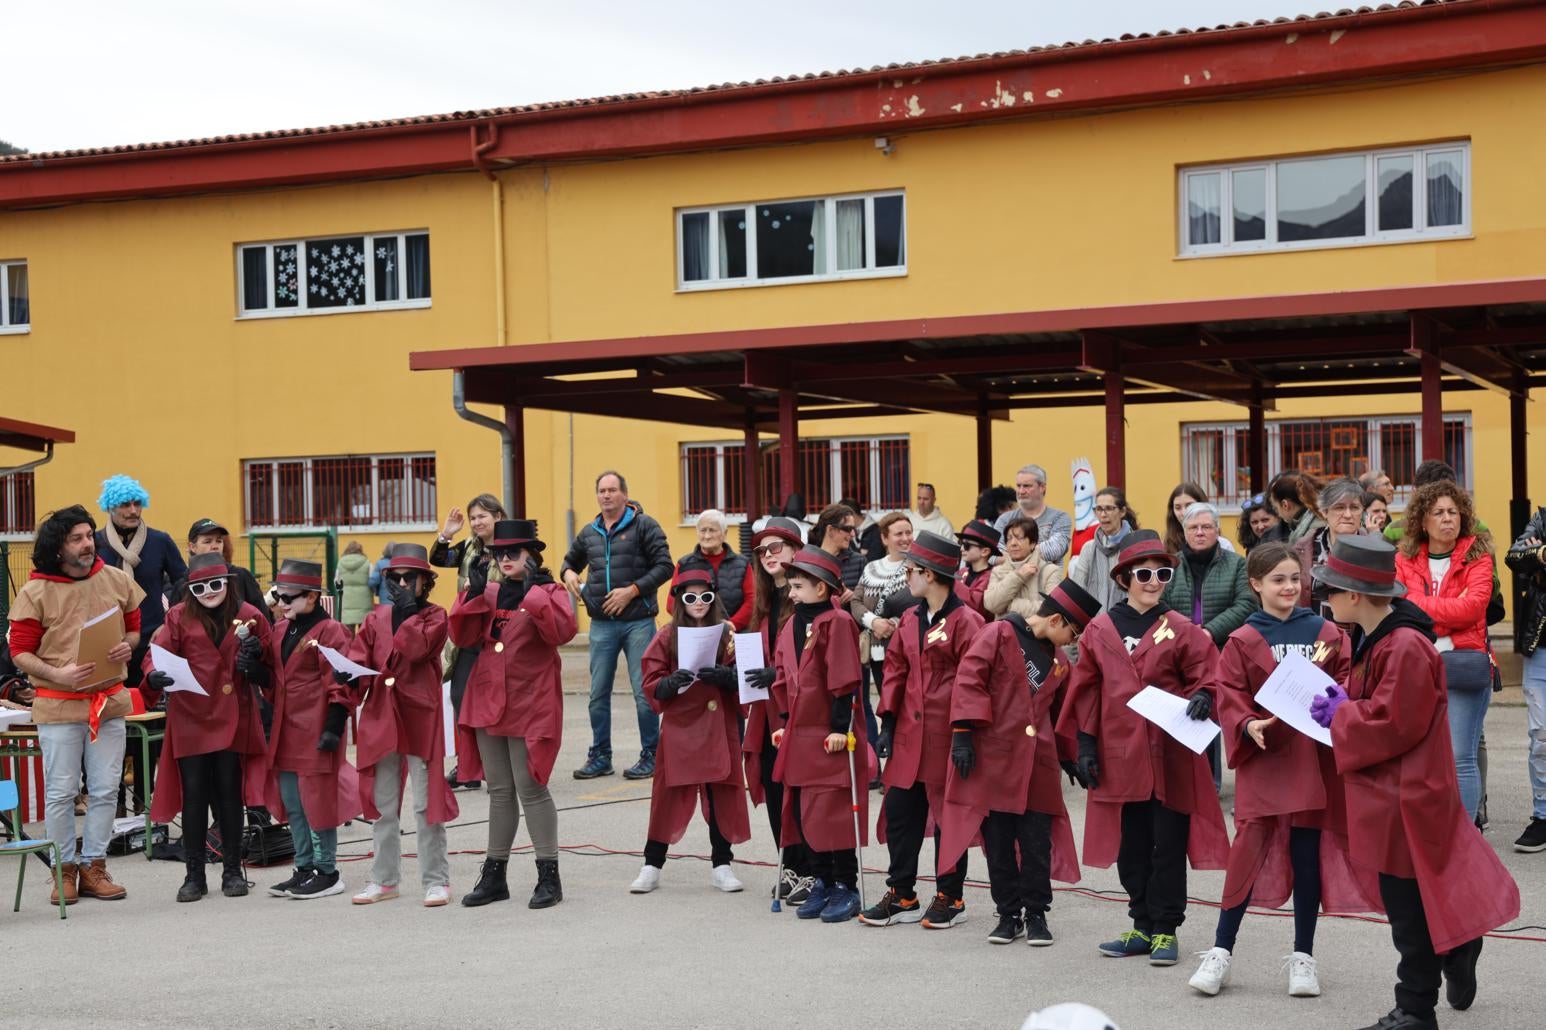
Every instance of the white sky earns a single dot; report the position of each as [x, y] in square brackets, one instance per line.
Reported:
[95, 73]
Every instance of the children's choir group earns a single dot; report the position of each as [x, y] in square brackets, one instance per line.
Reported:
[979, 722]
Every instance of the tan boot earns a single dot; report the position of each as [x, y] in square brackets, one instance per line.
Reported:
[69, 872]
[97, 883]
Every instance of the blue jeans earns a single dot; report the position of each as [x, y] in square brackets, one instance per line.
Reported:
[314, 849]
[607, 638]
[1467, 710]
[1535, 702]
[64, 745]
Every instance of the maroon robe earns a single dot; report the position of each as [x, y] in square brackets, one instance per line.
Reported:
[226, 720]
[1294, 782]
[516, 686]
[972, 593]
[302, 688]
[403, 711]
[804, 688]
[1138, 760]
[1017, 754]
[1391, 743]
[700, 742]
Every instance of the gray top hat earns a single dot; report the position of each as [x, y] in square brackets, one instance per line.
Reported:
[1363, 564]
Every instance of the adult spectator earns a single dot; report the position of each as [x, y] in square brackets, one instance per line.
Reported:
[1259, 523]
[149, 555]
[1055, 526]
[352, 578]
[206, 536]
[1114, 519]
[1210, 585]
[1527, 559]
[993, 502]
[836, 532]
[1432, 471]
[1377, 481]
[1020, 584]
[1294, 496]
[1445, 563]
[1181, 498]
[734, 583]
[878, 603]
[626, 559]
[78, 709]
[928, 517]
[1341, 501]
[1376, 513]
[378, 582]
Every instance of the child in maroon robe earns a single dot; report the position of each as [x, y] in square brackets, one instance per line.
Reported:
[698, 762]
[816, 689]
[979, 545]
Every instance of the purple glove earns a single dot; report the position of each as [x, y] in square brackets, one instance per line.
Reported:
[1324, 708]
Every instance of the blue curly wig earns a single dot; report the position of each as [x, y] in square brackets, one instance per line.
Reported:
[118, 490]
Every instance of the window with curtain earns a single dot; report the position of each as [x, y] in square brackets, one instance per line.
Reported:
[15, 301]
[365, 272]
[1395, 195]
[800, 240]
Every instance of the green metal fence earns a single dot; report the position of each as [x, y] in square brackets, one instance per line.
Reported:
[15, 566]
[267, 551]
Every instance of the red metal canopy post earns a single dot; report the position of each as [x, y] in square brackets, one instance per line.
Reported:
[515, 421]
[788, 442]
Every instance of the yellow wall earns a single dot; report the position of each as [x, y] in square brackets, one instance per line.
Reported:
[136, 347]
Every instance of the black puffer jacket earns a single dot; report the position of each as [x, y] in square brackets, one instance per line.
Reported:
[1524, 560]
[635, 552]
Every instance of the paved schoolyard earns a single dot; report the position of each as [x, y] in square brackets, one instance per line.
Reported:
[686, 956]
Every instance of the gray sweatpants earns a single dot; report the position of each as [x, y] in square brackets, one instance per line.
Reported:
[434, 867]
[511, 787]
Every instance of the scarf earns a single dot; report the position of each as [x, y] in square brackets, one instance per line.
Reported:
[130, 552]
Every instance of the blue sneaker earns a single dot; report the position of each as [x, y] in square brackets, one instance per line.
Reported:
[1127, 944]
[842, 905]
[817, 901]
[597, 763]
[1165, 950]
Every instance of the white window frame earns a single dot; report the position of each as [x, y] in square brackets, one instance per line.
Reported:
[8, 507]
[301, 309]
[6, 329]
[834, 470]
[683, 285]
[1373, 235]
[308, 484]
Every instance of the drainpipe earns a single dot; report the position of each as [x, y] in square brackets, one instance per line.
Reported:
[480, 152]
[459, 403]
[48, 456]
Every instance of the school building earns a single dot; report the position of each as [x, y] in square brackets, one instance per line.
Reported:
[1210, 255]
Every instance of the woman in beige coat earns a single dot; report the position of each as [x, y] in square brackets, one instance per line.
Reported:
[1019, 584]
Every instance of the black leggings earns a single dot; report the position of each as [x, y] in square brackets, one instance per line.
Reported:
[830, 867]
[719, 847]
[212, 780]
[1304, 854]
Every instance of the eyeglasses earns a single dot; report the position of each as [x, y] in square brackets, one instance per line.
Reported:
[1148, 572]
[403, 578]
[707, 597]
[214, 586]
[1106, 509]
[288, 598]
[1351, 508]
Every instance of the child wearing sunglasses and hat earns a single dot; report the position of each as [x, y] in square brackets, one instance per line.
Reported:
[401, 732]
[1151, 805]
[511, 722]
[213, 755]
[979, 546]
[700, 738]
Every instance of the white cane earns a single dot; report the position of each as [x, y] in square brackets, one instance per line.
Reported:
[853, 792]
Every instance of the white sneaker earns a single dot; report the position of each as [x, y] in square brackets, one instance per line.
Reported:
[375, 892]
[438, 895]
[647, 880]
[724, 878]
[1213, 973]
[1302, 981]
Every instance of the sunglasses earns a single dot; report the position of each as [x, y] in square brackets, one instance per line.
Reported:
[707, 597]
[288, 598]
[214, 586]
[505, 553]
[1149, 572]
[403, 578]
[777, 547]
[846, 528]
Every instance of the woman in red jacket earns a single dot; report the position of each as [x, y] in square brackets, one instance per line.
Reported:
[700, 738]
[1446, 567]
[512, 717]
[1151, 802]
[214, 741]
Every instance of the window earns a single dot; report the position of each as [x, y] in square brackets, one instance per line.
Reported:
[15, 307]
[1216, 455]
[18, 510]
[381, 491]
[872, 470]
[335, 273]
[787, 241]
[1376, 196]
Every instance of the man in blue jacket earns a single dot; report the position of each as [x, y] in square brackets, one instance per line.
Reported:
[152, 557]
[626, 560]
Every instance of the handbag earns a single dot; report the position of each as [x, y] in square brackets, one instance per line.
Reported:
[1468, 672]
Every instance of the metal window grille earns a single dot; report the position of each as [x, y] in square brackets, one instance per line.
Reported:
[18, 507]
[348, 492]
[875, 471]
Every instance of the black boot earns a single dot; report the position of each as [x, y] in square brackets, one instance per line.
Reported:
[194, 886]
[491, 885]
[549, 890]
[233, 884]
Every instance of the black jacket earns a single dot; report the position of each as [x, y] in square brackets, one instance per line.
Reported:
[634, 552]
[1530, 577]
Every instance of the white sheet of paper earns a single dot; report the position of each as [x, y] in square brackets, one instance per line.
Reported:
[748, 655]
[1168, 712]
[697, 646]
[448, 717]
[176, 667]
[12, 716]
[1289, 690]
[342, 664]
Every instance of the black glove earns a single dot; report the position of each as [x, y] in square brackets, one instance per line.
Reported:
[1075, 776]
[673, 684]
[249, 655]
[1200, 706]
[341, 677]
[762, 679]
[1089, 761]
[333, 727]
[159, 680]
[887, 733]
[721, 676]
[535, 577]
[962, 753]
[477, 578]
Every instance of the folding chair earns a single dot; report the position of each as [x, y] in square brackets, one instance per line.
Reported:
[22, 847]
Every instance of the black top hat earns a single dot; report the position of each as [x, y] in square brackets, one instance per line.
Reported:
[979, 532]
[1074, 603]
[204, 527]
[517, 533]
[1361, 563]
[409, 556]
[932, 551]
[1139, 546]
[207, 566]
[299, 575]
[813, 561]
